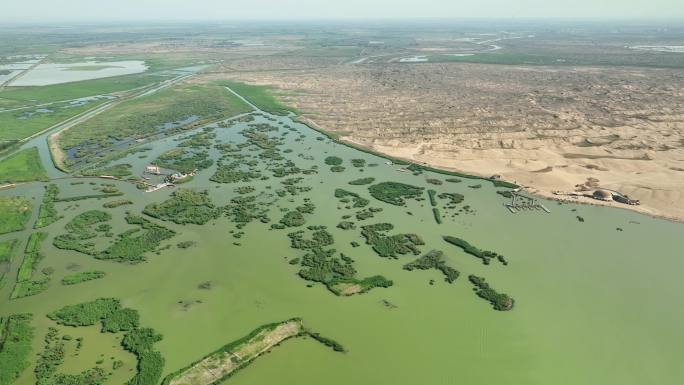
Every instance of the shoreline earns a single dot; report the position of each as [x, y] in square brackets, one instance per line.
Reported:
[534, 191]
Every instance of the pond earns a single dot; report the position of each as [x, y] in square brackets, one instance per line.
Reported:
[56, 73]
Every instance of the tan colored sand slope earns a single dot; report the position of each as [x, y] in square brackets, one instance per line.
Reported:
[549, 128]
[216, 366]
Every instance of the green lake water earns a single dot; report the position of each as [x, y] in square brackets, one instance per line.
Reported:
[593, 305]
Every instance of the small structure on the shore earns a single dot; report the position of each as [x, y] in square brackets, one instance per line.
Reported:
[624, 199]
[151, 169]
[603, 195]
[609, 196]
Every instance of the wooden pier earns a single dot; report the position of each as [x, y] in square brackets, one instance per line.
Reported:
[520, 202]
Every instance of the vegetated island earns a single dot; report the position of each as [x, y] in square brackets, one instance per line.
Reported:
[16, 334]
[227, 360]
[14, 213]
[394, 193]
[113, 319]
[484, 255]
[499, 301]
[434, 259]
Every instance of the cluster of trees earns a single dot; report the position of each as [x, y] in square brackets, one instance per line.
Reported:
[16, 334]
[244, 209]
[333, 161]
[86, 313]
[80, 230]
[47, 213]
[121, 320]
[307, 207]
[454, 198]
[184, 161]
[185, 206]
[230, 173]
[394, 193]
[113, 193]
[150, 362]
[185, 244]
[116, 203]
[499, 301]
[358, 162]
[27, 286]
[83, 277]
[50, 358]
[362, 181]
[432, 195]
[434, 260]
[131, 245]
[14, 213]
[293, 219]
[114, 318]
[7, 249]
[336, 346]
[367, 213]
[118, 170]
[437, 215]
[321, 265]
[390, 246]
[484, 255]
[346, 225]
[244, 190]
[356, 198]
[319, 238]
[201, 139]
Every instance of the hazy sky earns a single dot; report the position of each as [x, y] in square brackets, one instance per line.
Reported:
[92, 10]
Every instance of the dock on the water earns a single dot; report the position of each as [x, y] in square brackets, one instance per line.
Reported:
[158, 187]
[520, 202]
